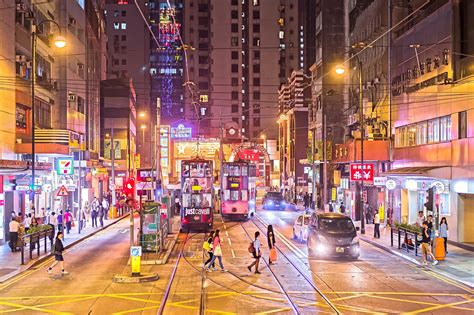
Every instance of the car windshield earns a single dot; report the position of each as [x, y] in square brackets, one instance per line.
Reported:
[306, 220]
[274, 195]
[336, 225]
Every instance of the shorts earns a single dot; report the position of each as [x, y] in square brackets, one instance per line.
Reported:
[425, 248]
[59, 257]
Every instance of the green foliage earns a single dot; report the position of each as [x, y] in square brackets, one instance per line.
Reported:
[409, 227]
[39, 228]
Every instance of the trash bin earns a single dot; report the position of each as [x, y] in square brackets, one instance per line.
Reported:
[439, 252]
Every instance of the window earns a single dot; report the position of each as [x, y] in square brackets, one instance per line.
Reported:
[235, 68]
[124, 13]
[124, 62]
[256, 122]
[234, 41]
[116, 25]
[116, 13]
[256, 2]
[203, 72]
[256, 68]
[235, 2]
[445, 128]
[43, 114]
[20, 117]
[234, 27]
[235, 108]
[256, 15]
[203, 21]
[421, 130]
[462, 125]
[203, 86]
[234, 55]
[281, 34]
[256, 81]
[256, 54]
[124, 37]
[256, 28]
[234, 81]
[433, 130]
[234, 14]
[235, 95]
[116, 62]
[203, 7]
[256, 95]
[203, 60]
[256, 41]
[124, 26]
[203, 33]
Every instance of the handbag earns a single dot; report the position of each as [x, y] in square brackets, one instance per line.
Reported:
[218, 251]
[206, 246]
[273, 254]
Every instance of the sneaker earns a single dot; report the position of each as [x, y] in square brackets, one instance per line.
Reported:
[257, 272]
[50, 271]
[250, 269]
[208, 269]
[435, 263]
[214, 268]
[64, 272]
[424, 263]
[224, 270]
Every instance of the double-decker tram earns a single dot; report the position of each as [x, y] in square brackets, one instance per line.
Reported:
[238, 190]
[196, 194]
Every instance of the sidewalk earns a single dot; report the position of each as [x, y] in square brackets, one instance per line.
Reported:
[458, 264]
[10, 263]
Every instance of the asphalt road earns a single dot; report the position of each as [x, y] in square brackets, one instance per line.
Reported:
[376, 283]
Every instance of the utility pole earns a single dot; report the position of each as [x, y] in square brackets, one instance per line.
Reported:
[362, 136]
[112, 154]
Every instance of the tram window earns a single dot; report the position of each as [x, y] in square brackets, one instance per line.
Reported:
[186, 170]
[234, 170]
[226, 194]
[234, 195]
[186, 200]
[244, 170]
[226, 170]
[244, 195]
[196, 201]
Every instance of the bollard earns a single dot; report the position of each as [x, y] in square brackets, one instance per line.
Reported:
[391, 237]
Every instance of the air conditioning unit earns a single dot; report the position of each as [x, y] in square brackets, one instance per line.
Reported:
[72, 97]
[21, 7]
[20, 58]
[72, 21]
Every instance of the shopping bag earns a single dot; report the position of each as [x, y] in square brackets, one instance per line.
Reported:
[273, 254]
[218, 251]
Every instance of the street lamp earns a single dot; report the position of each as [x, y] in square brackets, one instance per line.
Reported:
[59, 42]
[341, 70]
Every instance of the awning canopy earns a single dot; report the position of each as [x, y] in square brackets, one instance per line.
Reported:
[443, 172]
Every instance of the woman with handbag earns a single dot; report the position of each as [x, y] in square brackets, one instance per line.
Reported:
[207, 246]
[58, 254]
[216, 252]
[271, 245]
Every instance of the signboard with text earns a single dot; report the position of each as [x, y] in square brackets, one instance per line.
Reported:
[359, 172]
[65, 166]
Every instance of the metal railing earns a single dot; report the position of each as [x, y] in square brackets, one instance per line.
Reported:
[32, 242]
[405, 244]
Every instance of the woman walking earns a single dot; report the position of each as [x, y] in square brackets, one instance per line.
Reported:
[207, 246]
[58, 254]
[216, 252]
[443, 232]
[256, 253]
[271, 244]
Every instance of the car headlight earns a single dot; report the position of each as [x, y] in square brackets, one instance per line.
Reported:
[320, 248]
[322, 239]
[270, 203]
[355, 240]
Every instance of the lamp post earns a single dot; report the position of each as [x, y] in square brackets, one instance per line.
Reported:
[341, 70]
[264, 138]
[59, 42]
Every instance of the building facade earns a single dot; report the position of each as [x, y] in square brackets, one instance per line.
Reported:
[128, 52]
[432, 83]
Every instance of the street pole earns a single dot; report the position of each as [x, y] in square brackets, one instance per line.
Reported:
[362, 136]
[79, 191]
[33, 79]
[325, 169]
[221, 158]
[112, 154]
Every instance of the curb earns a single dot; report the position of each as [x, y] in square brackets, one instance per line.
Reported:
[414, 261]
[139, 279]
[45, 257]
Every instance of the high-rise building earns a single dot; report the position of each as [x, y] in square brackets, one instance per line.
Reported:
[166, 60]
[128, 51]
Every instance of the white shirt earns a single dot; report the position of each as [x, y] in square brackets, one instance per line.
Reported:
[13, 226]
[53, 220]
[376, 219]
[27, 222]
[419, 221]
[256, 244]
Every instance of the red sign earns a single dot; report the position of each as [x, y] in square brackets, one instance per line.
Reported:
[62, 192]
[1, 184]
[249, 155]
[358, 173]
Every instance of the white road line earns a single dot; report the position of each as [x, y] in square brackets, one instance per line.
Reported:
[233, 253]
[229, 241]
[227, 233]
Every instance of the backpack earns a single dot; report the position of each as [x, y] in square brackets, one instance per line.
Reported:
[251, 248]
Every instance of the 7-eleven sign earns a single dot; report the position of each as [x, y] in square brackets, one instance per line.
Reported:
[65, 166]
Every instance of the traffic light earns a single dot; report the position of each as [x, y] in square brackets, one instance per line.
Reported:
[129, 191]
[429, 199]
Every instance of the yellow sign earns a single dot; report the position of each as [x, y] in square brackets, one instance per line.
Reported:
[196, 187]
[137, 161]
[135, 264]
[333, 194]
[337, 178]
[381, 211]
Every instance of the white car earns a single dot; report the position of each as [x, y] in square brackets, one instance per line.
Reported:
[300, 228]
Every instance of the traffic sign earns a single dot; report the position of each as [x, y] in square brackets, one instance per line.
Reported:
[135, 251]
[62, 192]
[65, 166]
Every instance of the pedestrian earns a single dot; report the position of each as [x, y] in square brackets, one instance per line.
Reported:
[207, 246]
[101, 216]
[331, 207]
[430, 227]
[420, 219]
[342, 208]
[177, 206]
[271, 244]
[425, 245]
[27, 222]
[443, 232]
[68, 220]
[94, 212]
[105, 206]
[255, 253]
[53, 222]
[376, 224]
[60, 221]
[87, 213]
[13, 228]
[368, 213]
[216, 252]
[306, 201]
[58, 254]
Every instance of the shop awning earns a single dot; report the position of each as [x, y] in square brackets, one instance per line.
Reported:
[443, 172]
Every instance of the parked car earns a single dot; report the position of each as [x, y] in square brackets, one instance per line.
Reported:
[332, 234]
[274, 201]
[300, 228]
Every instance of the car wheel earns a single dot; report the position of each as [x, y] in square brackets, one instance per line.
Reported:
[294, 235]
[311, 253]
[301, 237]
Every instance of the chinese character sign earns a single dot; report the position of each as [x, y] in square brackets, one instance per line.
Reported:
[365, 173]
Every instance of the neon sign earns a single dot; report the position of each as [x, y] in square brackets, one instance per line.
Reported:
[181, 132]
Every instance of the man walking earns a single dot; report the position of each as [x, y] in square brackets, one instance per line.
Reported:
[425, 245]
[101, 216]
[105, 206]
[256, 253]
[94, 212]
[13, 229]
[376, 224]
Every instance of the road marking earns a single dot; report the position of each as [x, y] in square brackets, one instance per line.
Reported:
[49, 304]
[233, 253]
[418, 302]
[19, 306]
[442, 306]
[228, 239]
